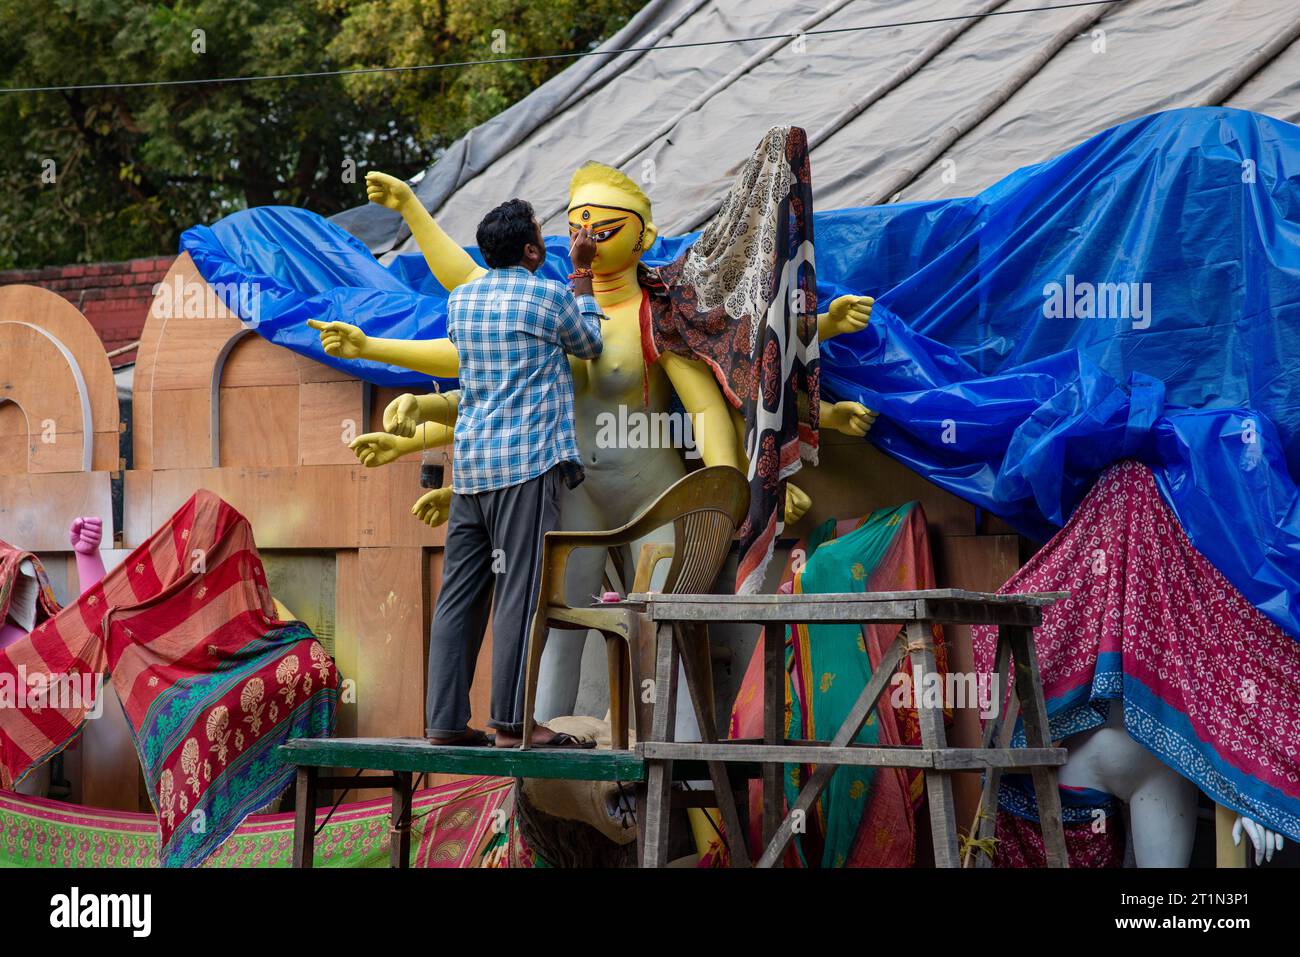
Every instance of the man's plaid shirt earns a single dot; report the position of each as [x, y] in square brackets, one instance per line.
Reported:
[515, 419]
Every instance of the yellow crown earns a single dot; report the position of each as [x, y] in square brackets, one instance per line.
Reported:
[603, 185]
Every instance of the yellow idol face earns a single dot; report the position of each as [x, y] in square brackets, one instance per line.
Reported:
[616, 231]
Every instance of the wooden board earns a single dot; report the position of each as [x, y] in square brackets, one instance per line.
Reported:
[348, 629]
[14, 443]
[254, 361]
[259, 425]
[802, 603]
[37, 377]
[36, 510]
[110, 767]
[305, 507]
[329, 417]
[386, 496]
[182, 429]
[187, 351]
[176, 354]
[308, 506]
[381, 613]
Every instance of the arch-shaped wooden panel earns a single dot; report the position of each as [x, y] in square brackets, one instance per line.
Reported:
[255, 404]
[52, 359]
[171, 404]
[262, 426]
[58, 420]
[198, 368]
[41, 377]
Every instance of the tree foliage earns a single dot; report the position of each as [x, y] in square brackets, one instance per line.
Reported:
[116, 173]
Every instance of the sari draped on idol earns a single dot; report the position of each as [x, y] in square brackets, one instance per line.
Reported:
[742, 299]
[866, 816]
[1204, 680]
[210, 681]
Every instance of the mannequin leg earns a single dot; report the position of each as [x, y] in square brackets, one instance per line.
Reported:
[1162, 810]
[1161, 803]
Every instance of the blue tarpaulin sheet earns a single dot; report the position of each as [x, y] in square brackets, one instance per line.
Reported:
[1137, 296]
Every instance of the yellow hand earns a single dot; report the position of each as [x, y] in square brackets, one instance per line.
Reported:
[433, 508]
[433, 357]
[406, 414]
[379, 448]
[340, 339]
[797, 502]
[851, 418]
[846, 314]
[402, 416]
[450, 264]
[388, 191]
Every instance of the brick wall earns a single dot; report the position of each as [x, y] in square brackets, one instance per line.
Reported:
[115, 297]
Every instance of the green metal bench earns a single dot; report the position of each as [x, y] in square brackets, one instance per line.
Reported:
[403, 757]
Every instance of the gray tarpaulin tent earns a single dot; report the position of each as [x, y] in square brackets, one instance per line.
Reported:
[901, 113]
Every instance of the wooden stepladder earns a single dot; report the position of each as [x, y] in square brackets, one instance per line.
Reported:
[1018, 644]
[681, 631]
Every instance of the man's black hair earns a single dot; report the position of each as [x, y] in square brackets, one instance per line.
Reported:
[504, 232]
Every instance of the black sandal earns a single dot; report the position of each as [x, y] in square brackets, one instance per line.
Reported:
[563, 739]
[472, 738]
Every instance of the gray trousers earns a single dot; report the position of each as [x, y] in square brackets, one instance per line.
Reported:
[492, 559]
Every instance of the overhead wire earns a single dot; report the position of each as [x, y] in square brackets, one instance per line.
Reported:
[538, 57]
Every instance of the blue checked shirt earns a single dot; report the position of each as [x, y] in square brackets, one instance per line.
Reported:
[515, 419]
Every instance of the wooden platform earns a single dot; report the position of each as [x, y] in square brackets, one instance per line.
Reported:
[400, 758]
[680, 624]
[418, 756]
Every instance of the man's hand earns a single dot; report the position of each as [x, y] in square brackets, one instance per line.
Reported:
[388, 191]
[797, 502]
[582, 249]
[86, 534]
[433, 508]
[847, 314]
[376, 448]
[402, 416]
[851, 418]
[340, 339]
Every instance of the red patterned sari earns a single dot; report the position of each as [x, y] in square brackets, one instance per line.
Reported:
[210, 681]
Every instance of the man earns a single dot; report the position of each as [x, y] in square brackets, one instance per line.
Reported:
[515, 444]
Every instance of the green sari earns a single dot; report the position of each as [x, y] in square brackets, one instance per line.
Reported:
[829, 668]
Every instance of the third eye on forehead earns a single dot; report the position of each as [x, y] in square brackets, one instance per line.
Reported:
[596, 219]
[601, 230]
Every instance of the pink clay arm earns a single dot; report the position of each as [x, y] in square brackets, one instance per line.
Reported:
[86, 534]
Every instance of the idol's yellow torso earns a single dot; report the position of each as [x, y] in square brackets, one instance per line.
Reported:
[616, 374]
[622, 479]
